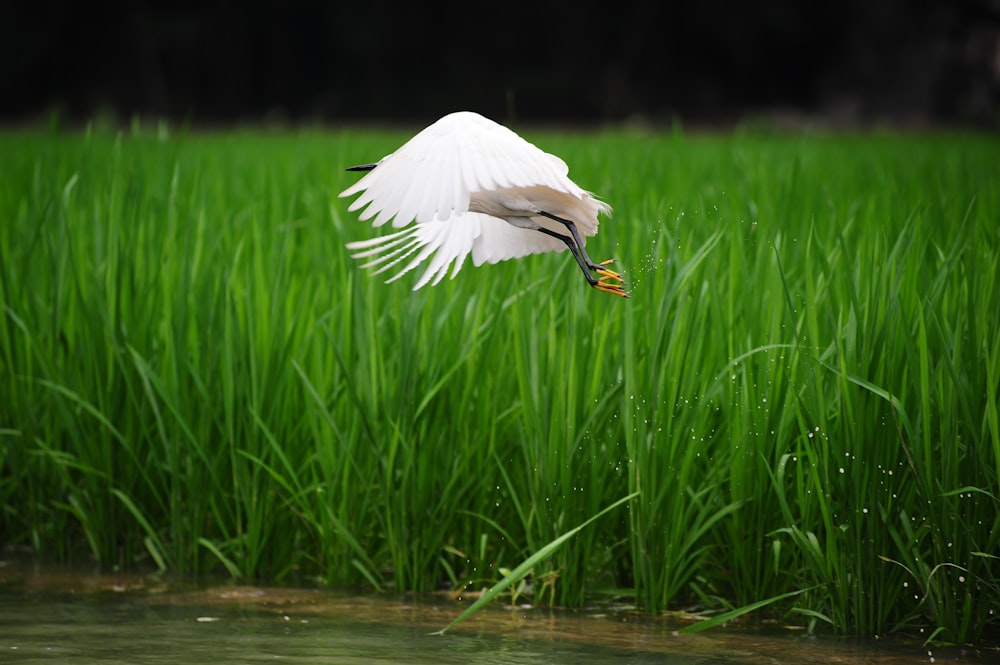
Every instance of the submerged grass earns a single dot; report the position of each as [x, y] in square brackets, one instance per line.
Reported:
[802, 389]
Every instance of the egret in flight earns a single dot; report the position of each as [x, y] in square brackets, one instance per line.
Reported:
[474, 187]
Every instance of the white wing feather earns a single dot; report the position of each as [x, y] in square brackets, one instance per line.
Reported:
[436, 170]
[448, 243]
[432, 178]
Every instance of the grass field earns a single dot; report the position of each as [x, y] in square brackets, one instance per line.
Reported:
[803, 387]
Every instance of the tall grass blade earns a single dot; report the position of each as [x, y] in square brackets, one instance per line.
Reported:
[525, 567]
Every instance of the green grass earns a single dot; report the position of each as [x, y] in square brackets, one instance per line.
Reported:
[803, 388]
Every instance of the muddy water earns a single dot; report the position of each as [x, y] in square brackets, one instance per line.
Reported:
[61, 617]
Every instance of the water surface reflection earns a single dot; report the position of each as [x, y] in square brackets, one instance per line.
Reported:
[64, 617]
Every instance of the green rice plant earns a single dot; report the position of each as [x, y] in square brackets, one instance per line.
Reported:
[669, 432]
[513, 577]
[556, 472]
[195, 375]
[865, 475]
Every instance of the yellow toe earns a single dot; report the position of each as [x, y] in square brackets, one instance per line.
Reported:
[615, 289]
[610, 281]
[609, 274]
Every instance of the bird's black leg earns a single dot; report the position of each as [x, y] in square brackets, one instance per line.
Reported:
[569, 224]
[609, 281]
[574, 248]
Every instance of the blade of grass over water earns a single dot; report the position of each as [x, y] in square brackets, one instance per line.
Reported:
[801, 396]
[735, 614]
[525, 567]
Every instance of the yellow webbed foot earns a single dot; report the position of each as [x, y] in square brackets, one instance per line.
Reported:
[608, 274]
[609, 281]
[608, 287]
[616, 289]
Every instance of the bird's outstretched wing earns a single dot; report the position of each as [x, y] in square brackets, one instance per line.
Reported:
[446, 243]
[434, 173]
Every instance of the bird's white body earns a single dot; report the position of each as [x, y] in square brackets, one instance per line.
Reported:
[472, 187]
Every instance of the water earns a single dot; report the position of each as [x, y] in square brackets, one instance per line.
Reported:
[70, 618]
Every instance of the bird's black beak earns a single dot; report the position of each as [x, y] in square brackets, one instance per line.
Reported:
[362, 167]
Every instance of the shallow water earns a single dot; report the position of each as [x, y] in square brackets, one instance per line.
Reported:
[57, 617]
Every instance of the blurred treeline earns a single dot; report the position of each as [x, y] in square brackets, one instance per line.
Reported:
[910, 62]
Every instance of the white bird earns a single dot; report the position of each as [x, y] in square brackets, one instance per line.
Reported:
[474, 187]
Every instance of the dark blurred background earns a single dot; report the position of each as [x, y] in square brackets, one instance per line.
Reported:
[849, 63]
